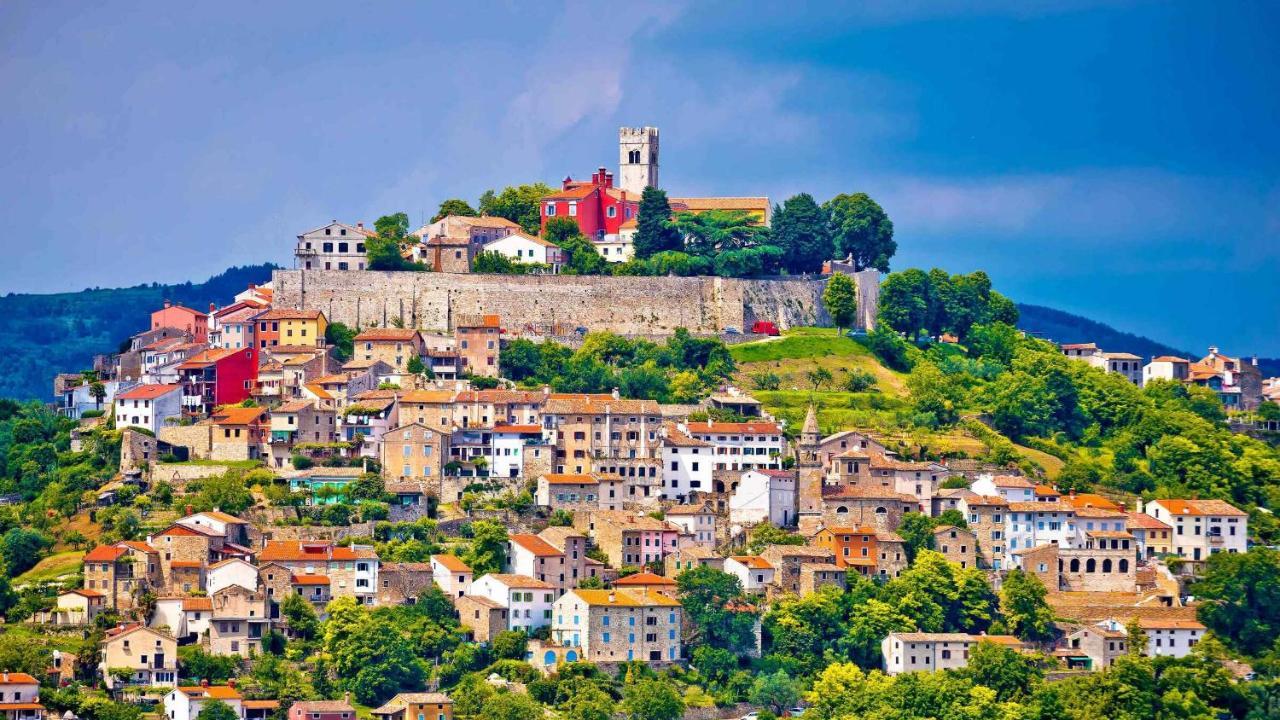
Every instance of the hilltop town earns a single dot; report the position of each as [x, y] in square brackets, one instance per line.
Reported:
[603, 450]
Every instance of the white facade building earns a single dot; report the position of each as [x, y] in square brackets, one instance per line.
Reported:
[913, 652]
[1202, 527]
[754, 572]
[336, 246]
[764, 496]
[741, 446]
[185, 703]
[1165, 638]
[527, 600]
[148, 406]
[451, 574]
[520, 247]
[696, 521]
[686, 465]
[233, 571]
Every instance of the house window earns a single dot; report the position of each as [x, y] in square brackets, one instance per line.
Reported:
[551, 209]
[573, 209]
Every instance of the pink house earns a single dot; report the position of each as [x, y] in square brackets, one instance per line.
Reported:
[182, 318]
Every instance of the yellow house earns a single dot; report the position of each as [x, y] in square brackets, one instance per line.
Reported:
[291, 327]
[1154, 537]
[757, 208]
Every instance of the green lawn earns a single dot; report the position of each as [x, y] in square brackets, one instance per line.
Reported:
[798, 351]
[53, 567]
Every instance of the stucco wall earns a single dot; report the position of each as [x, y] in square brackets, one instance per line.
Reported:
[532, 303]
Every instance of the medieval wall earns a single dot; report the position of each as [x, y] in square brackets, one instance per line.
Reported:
[539, 304]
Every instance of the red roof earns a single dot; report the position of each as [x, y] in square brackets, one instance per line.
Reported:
[204, 358]
[17, 678]
[644, 578]
[309, 579]
[104, 553]
[535, 545]
[148, 392]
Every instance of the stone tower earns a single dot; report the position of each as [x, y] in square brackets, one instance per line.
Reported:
[809, 481]
[637, 158]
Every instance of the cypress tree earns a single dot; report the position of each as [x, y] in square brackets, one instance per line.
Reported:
[654, 231]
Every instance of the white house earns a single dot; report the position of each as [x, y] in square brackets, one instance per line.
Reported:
[186, 617]
[508, 443]
[336, 246]
[1167, 638]
[1202, 527]
[186, 702]
[764, 496]
[686, 464]
[1013, 488]
[528, 600]
[1166, 367]
[148, 406]
[916, 651]
[523, 248]
[696, 521]
[451, 574]
[20, 696]
[741, 446]
[233, 571]
[754, 572]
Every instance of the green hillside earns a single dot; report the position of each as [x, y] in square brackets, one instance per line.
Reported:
[47, 334]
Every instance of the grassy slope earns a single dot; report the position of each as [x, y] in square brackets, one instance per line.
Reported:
[880, 410]
[53, 567]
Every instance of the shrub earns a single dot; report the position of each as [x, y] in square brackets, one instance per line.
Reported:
[302, 462]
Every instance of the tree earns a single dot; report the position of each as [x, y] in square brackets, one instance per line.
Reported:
[300, 616]
[518, 203]
[454, 206]
[217, 710]
[904, 301]
[488, 550]
[1012, 675]
[392, 226]
[654, 230]
[718, 231]
[197, 665]
[341, 338]
[26, 654]
[510, 644]
[707, 595]
[560, 229]
[776, 691]
[1240, 598]
[22, 549]
[416, 366]
[818, 377]
[226, 492]
[520, 359]
[496, 263]
[511, 706]
[917, 530]
[583, 259]
[1137, 638]
[1022, 601]
[385, 254]
[860, 229]
[371, 657]
[841, 300]
[97, 391]
[800, 229]
[652, 700]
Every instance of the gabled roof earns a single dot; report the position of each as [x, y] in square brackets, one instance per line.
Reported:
[427, 396]
[17, 678]
[300, 550]
[597, 404]
[452, 563]
[700, 204]
[519, 581]
[522, 235]
[389, 334]
[621, 598]
[148, 392]
[535, 545]
[183, 308]
[235, 415]
[754, 562]
[83, 592]
[644, 578]
[571, 479]
[309, 579]
[1143, 521]
[290, 314]
[205, 358]
[211, 692]
[1011, 481]
[1201, 507]
[335, 223]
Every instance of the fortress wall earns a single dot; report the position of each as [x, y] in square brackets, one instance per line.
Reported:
[627, 305]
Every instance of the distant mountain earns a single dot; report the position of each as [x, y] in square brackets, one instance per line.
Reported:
[42, 335]
[1063, 327]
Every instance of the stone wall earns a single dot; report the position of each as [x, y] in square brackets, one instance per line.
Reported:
[529, 304]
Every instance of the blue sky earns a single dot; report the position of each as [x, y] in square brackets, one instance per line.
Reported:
[1118, 160]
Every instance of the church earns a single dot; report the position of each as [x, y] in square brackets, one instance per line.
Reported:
[607, 212]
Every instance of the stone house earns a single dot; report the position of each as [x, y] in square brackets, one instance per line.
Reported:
[352, 571]
[697, 523]
[618, 625]
[594, 431]
[957, 545]
[403, 582]
[534, 557]
[415, 706]
[853, 505]
[1151, 536]
[912, 652]
[122, 571]
[853, 547]
[891, 552]
[628, 538]
[1092, 647]
[393, 346]
[239, 621]
[816, 575]
[687, 558]
[485, 618]
[414, 452]
[321, 710]
[20, 697]
[788, 560]
[478, 342]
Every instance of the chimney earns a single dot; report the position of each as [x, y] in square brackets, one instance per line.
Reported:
[212, 307]
[608, 179]
[1213, 350]
[612, 598]
[346, 697]
[565, 183]
[191, 510]
[615, 394]
[231, 682]
[204, 682]
[360, 225]
[167, 303]
[546, 390]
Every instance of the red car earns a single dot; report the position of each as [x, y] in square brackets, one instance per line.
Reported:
[764, 327]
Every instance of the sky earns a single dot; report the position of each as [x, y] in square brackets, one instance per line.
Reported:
[1118, 160]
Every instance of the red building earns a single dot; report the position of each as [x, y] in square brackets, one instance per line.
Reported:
[182, 318]
[218, 376]
[599, 208]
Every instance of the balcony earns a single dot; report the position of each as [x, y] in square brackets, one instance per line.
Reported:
[1216, 539]
[305, 252]
[192, 401]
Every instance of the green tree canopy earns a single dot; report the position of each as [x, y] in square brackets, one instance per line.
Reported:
[800, 229]
[860, 229]
[840, 297]
[655, 232]
[1240, 598]
[1022, 601]
[454, 206]
[652, 700]
[518, 203]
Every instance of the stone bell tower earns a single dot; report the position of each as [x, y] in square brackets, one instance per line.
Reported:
[809, 481]
[637, 159]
